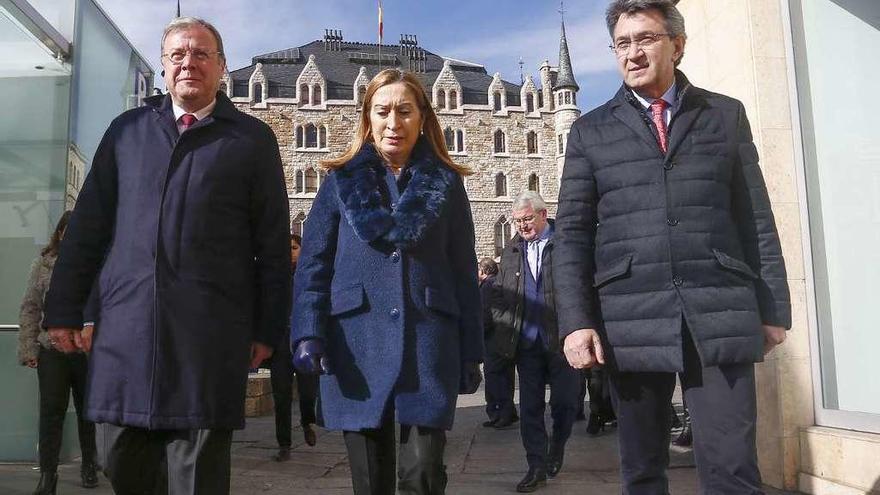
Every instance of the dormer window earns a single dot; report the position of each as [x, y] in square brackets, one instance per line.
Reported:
[453, 99]
[530, 103]
[496, 101]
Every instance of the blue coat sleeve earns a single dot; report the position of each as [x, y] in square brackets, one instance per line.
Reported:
[85, 241]
[314, 269]
[270, 236]
[464, 264]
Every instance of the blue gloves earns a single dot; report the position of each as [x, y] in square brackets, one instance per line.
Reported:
[310, 358]
[470, 378]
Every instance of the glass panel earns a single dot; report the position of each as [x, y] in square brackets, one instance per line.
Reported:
[33, 155]
[311, 181]
[311, 136]
[842, 155]
[450, 139]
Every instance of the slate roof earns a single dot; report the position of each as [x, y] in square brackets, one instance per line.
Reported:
[565, 76]
[340, 69]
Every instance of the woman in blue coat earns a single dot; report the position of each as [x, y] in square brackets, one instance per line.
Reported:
[386, 301]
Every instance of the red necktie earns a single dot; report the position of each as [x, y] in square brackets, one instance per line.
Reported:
[186, 120]
[657, 108]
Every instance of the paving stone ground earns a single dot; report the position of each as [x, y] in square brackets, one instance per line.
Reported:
[480, 461]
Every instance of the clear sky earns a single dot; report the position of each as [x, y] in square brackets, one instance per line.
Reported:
[495, 33]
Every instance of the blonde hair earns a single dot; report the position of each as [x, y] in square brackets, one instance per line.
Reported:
[431, 127]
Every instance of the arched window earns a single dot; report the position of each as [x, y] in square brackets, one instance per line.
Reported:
[362, 91]
[496, 101]
[322, 137]
[568, 97]
[530, 103]
[453, 99]
[500, 142]
[574, 98]
[534, 183]
[296, 225]
[311, 181]
[459, 141]
[441, 98]
[502, 235]
[300, 136]
[500, 185]
[532, 143]
[311, 136]
[540, 100]
[560, 98]
[449, 135]
[258, 93]
[303, 94]
[317, 89]
[300, 182]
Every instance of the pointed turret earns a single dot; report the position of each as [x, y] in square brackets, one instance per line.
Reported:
[565, 76]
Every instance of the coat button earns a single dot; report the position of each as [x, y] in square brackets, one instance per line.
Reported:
[395, 257]
[677, 281]
[672, 221]
[395, 313]
[668, 165]
[393, 205]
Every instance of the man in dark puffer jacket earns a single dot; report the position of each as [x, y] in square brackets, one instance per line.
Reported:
[667, 258]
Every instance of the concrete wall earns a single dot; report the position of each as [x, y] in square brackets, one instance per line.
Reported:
[738, 47]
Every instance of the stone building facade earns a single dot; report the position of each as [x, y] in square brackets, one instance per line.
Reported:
[512, 136]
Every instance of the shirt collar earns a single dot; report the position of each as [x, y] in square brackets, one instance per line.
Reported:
[545, 235]
[200, 114]
[670, 96]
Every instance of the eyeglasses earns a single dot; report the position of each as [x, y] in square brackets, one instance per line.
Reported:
[524, 220]
[177, 57]
[643, 41]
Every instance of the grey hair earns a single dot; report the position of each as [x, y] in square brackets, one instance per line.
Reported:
[181, 23]
[674, 19]
[488, 266]
[527, 199]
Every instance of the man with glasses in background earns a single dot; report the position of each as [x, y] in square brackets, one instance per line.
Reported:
[667, 258]
[525, 331]
[183, 221]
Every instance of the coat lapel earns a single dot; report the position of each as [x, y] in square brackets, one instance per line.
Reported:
[634, 119]
[691, 107]
[360, 189]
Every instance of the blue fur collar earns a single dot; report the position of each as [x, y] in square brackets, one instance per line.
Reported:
[360, 186]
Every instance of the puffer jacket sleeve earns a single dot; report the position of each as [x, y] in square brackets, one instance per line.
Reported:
[757, 229]
[573, 255]
[31, 314]
[314, 268]
[463, 258]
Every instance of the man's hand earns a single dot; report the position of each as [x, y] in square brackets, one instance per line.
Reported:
[83, 339]
[583, 349]
[63, 339]
[773, 336]
[259, 353]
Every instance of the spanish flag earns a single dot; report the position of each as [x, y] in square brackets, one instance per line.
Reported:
[380, 22]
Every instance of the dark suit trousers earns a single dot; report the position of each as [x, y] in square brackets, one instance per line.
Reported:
[499, 374]
[173, 462]
[723, 412]
[282, 393]
[537, 368]
[58, 375]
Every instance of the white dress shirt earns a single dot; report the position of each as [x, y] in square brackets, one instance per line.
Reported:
[200, 114]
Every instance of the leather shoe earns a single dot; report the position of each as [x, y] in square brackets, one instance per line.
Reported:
[505, 423]
[554, 460]
[48, 482]
[490, 423]
[534, 479]
[282, 455]
[309, 435]
[89, 475]
[685, 438]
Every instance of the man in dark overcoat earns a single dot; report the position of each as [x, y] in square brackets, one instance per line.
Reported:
[499, 371]
[667, 257]
[185, 206]
[524, 317]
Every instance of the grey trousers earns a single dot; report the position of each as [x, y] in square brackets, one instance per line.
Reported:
[722, 405]
[173, 462]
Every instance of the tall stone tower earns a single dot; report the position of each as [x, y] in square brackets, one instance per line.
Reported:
[565, 90]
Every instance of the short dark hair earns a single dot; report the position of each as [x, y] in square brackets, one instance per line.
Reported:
[674, 19]
[297, 239]
[488, 266]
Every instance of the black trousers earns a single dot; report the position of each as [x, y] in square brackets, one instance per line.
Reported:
[721, 401]
[537, 368]
[173, 462]
[58, 375]
[372, 460]
[282, 377]
[595, 382]
[499, 375]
